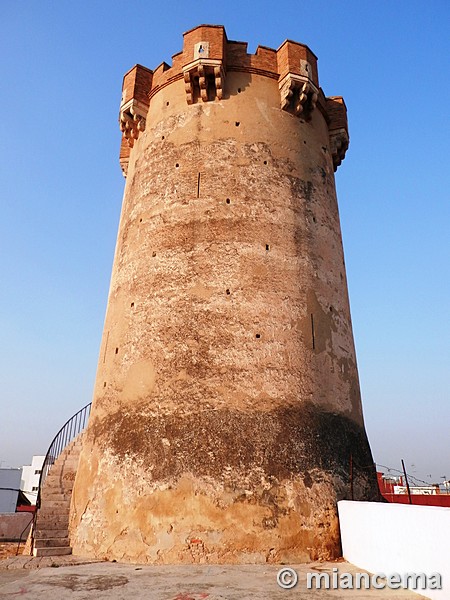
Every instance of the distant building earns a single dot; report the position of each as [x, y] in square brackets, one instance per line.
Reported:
[30, 478]
[9, 489]
[394, 489]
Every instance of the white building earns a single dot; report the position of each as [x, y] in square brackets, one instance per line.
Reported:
[30, 478]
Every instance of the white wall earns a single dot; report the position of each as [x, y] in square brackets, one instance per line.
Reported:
[398, 538]
[30, 479]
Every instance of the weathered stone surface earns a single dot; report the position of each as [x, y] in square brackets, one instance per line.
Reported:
[227, 403]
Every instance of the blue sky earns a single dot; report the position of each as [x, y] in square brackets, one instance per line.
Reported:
[61, 190]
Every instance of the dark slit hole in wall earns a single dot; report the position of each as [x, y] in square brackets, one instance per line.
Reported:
[195, 89]
[313, 333]
[211, 87]
[106, 347]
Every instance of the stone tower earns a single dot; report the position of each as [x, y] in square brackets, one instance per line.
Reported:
[226, 407]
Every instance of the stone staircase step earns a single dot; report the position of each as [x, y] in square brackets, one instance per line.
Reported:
[64, 490]
[53, 525]
[51, 533]
[52, 480]
[56, 479]
[51, 536]
[58, 514]
[50, 486]
[58, 551]
[51, 543]
[45, 514]
[55, 512]
[53, 505]
[53, 495]
[52, 522]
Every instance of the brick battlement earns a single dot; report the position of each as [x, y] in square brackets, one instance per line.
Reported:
[142, 83]
[203, 64]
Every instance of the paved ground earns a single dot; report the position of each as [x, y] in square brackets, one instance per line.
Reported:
[76, 579]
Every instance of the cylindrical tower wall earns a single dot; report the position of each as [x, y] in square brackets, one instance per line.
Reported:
[226, 405]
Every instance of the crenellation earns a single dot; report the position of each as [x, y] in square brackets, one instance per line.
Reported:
[264, 59]
[237, 53]
[137, 83]
[338, 129]
[337, 112]
[161, 74]
[213, 35]
[203, 64]
[297, 59]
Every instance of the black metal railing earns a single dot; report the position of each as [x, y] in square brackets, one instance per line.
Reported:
[62, 439]
[30, 522]
[68, 432]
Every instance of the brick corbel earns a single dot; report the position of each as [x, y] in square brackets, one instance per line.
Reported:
[132, 119]
[339, 141]
[298, 95]
[202, 68]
